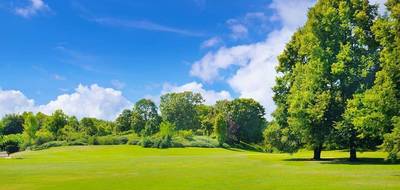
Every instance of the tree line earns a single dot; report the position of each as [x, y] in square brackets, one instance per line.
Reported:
[339, 82]
[232, 122]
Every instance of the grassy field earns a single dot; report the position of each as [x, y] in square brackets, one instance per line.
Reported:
[133, 167]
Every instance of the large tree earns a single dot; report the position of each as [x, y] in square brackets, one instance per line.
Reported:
[371, 114]
[328, 60]
[180, 109]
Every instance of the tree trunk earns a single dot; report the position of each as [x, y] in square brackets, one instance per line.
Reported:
[317, 152]
[353, 146]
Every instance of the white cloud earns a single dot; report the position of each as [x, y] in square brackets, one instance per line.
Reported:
[210, 96]
[211, 42]
[12, 101]
[291, 13]
[32, 9]
[86, 101]
[255, 63]
[381, 5]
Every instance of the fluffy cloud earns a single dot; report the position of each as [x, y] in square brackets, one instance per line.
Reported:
[12, 101]
[381, 4]
[32, 9]
[255, 63]
[86, 101]
[210, 96]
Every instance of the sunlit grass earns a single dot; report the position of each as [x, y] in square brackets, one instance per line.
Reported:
[133, 167]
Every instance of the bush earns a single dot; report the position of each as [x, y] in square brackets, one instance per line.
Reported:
[49, 145]
[107, 140]
[11, 148]
[11, 142]
[187, 134]
[79, 142]
[133, 139]
[146, 142]
[43, 136]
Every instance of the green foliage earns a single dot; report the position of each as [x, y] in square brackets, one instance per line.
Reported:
[107, 140]
[206, 118]
[12, 124]
[221, 129]
[392, 141]
[43, 136]
[180, 109]
[56, 122]
[246, 120]
[187, 134]
[281, 139]
[145, 119]
[124, 121]
[48, 145]
[333, 56]
[371, 114]
[167, 129]
[11, 143]
[31, 126]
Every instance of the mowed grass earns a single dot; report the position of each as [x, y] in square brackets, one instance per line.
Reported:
[136, 168]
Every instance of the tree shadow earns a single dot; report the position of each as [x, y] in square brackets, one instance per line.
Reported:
[359, 161]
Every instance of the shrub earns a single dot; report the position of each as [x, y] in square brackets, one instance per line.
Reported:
[11, 143]
[187, 134]
[11, 148]
[79, 142]
[146, 142]
[43, 136]
[49, 145]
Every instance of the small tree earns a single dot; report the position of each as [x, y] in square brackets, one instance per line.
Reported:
[11, 148]
[220, 129]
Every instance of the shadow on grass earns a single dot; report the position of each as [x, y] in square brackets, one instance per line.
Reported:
[359, 161]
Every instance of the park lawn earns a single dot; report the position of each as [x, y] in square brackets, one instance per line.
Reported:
[132, 167]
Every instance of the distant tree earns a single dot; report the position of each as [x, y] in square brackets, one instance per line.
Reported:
[180, 109]
[12, 124]
[56, 122]
[220, 129]
[206, 118]
[246, 120]
[124, 121]
[88, 126]
[31, 126]
[145, 118]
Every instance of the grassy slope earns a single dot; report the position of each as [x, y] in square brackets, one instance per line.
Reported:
[132, 167]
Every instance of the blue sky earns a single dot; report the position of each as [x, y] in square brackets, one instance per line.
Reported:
[107, 54]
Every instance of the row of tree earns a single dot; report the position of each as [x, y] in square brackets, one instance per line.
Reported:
[339, 83]
[239, 120]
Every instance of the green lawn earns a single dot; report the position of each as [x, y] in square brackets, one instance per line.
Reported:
[133, 167]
